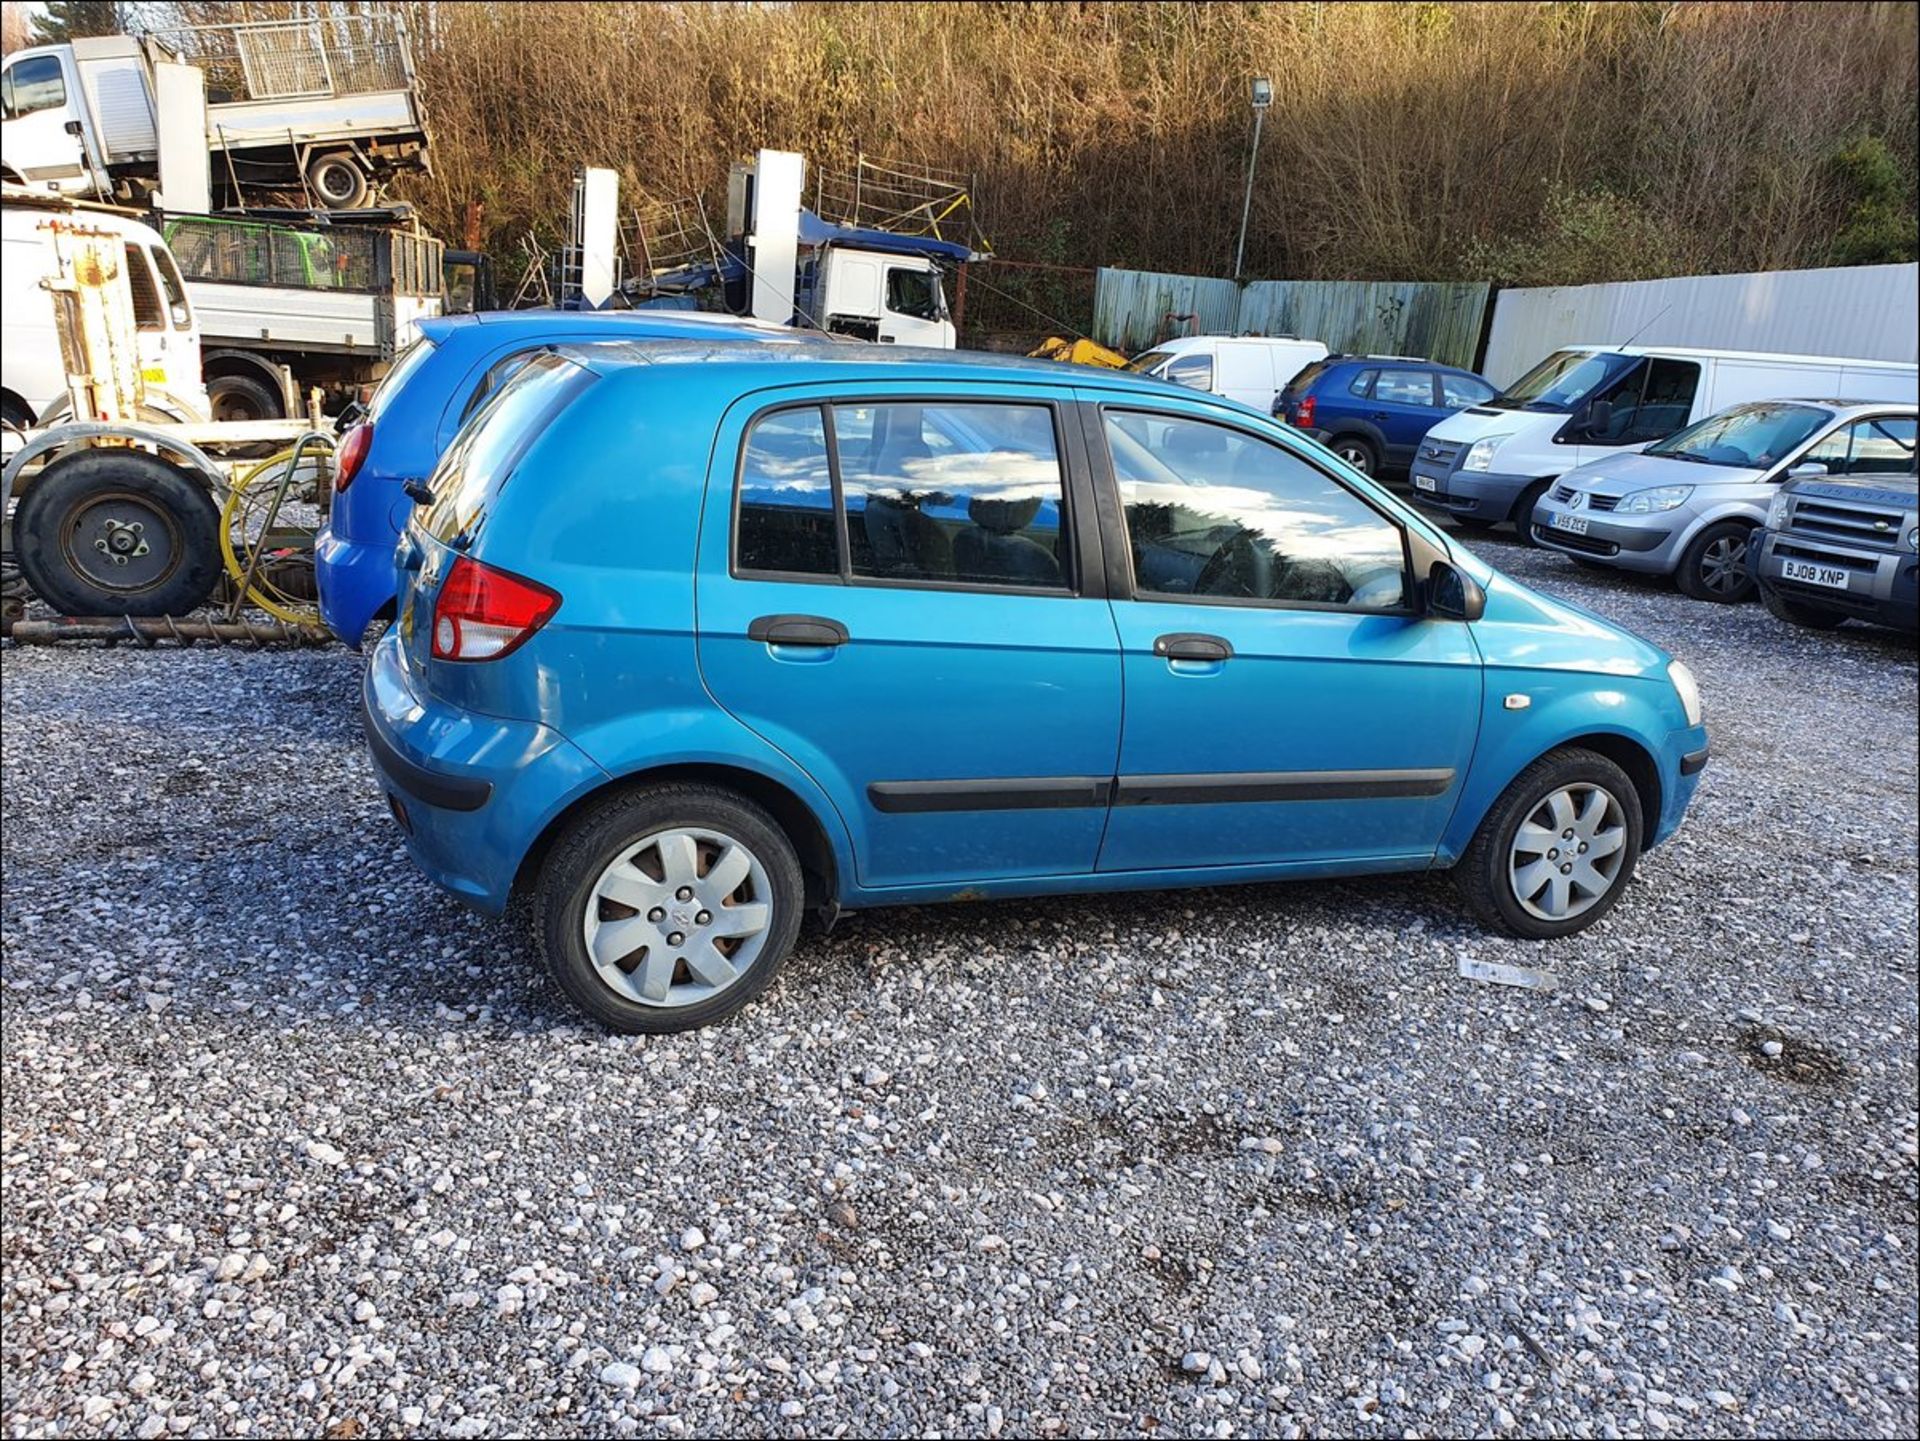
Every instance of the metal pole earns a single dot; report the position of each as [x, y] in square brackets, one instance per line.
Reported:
[1246, 206]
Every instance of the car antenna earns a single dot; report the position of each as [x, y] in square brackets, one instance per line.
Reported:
[1645, 328]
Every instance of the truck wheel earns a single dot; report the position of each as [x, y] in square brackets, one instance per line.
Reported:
[1794, 612]
[337, 181]
[1357, 452]
[241, 397]
[1715, 566]
[118, 532]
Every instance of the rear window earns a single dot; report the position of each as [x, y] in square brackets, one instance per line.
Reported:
[1303, 382]
[480, 462]
[408, 363]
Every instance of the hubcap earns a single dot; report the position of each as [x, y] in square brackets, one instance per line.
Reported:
[678, 918]
[1723, 565]
[1567, 853]
[1354, 457]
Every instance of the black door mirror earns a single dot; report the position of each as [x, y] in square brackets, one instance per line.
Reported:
[1452, 594]
[1600, 417]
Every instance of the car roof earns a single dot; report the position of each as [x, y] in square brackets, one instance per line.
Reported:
[1697, 353]
[819, 358]
[492, 326]
[1177, 343]
[1838, 407]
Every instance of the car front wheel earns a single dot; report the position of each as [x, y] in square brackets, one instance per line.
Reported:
[668, 907]
[1556, 850]
[1714, 567]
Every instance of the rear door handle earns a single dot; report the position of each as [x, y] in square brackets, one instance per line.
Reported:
[797, 630]
[1193, 645]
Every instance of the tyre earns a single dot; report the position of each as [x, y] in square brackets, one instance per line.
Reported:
[242, 397]
[1357, 451]
[668, 908]
[16, 414]
[1714, 567]
[1557, 848]
[118, 532]
[1522, 516]
[337, 181]
[1798, 612]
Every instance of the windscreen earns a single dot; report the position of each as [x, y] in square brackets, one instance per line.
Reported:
[1561, 381]
[1152, 360]
[479, 463]
[1749, 437]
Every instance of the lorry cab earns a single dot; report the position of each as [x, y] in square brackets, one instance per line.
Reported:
[1494, 462]
[43, 121]
[875, 295]
[34, 379]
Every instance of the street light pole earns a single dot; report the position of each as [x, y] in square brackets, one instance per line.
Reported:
[1262, 98]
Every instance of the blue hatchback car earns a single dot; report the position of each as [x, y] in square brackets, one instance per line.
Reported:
[413, 415]
[695, 639]
[1373, 410]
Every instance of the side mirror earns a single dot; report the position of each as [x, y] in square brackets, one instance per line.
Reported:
[1452, 594]
[1599, 417]
[1807, 470]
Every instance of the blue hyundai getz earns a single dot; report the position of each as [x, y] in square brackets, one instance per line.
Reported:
[696, 638]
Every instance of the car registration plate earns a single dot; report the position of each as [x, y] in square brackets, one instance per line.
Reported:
[1426, 483]
[1807, 573]
[1571, 524]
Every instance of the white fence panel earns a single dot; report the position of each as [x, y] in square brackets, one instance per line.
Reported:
[1865, 312]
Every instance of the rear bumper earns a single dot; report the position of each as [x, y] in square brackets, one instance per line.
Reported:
[472, 793]
[356, 582]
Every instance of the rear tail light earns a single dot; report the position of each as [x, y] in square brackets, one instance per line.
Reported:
[1303, 412]
[483, 613]
[352, 454]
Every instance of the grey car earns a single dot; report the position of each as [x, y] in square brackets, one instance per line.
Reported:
[1688, 506]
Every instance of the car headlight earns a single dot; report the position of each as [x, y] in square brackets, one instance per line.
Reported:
[1913, 538]
[1688, 689]
[1480, 453]
[1777, 511]
[1647, 502]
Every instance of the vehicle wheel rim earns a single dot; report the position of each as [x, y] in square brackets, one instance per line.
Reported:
[1354, 456]
[1567, 854]
[121, 543]
[1723, 565]
[334, 182]
[678, 918]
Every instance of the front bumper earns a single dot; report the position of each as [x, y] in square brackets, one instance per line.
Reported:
[1883, 586]
[471, 792]
[1478, 494]
[1646, 543]
[1686, 753]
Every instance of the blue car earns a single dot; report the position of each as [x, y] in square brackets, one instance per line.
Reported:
[414, 414]
[695, 639]
[1372, 410]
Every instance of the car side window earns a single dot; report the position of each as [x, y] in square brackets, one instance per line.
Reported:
[1193, 371]
[147, 311]
[1404, 387]
[911, 292]
[1880, 445]
[786, 515]
[1651, 402]
[1363, 382]
[968, 494]
[34, 84]
[939, 493]
[1457, 392]
[1215, 512]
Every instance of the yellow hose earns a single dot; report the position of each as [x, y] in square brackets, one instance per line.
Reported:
[261, 592]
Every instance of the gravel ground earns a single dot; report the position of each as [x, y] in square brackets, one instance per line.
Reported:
[293, 1145]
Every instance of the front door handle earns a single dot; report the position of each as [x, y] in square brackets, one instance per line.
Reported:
[1193, 645]
[797, 630]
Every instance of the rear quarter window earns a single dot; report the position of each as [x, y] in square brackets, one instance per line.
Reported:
[481, 460]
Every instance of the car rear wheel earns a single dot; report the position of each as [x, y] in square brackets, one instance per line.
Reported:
[668, 907]
[1557, 849]
[1797, 612]
[1714, 567]
[1357, 452]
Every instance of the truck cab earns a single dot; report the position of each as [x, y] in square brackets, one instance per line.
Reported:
[874, 295]
[44, 120]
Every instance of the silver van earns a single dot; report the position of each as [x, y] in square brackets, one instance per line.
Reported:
[1688, 506]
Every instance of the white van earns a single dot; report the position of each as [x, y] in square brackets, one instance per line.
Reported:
[1252, 369]
[33, 377]
[1493, 462]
